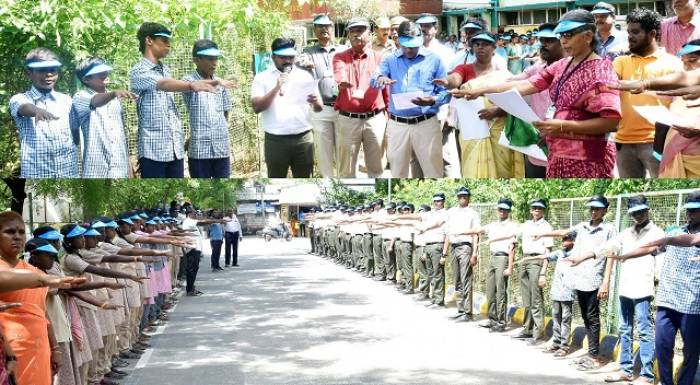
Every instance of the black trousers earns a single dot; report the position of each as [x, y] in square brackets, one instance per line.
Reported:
[192, 261]
[302, 230]
[590, 312]
[231, 250]
[215, 253]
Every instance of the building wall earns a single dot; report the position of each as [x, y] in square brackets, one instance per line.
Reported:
[416, 7]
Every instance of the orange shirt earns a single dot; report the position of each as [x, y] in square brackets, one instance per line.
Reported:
[26, 330]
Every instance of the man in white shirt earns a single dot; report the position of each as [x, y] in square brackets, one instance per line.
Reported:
[283, 95]
[463, 251]
[432, 230]
[232, 235]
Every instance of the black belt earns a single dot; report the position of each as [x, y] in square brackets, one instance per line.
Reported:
[366, 115]
[433, 243]
[414, 120]
[500, 254]
[331, 104]
[289, 136]
[368, 233]
[461, 244]
[532, 254]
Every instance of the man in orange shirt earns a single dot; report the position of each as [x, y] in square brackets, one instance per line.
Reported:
[635, 135]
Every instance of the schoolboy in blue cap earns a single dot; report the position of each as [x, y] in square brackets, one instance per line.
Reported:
[42, 117]
[209, 154]
[98, 114]
[161, 139]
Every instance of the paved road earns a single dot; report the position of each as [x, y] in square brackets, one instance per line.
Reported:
[286, 317]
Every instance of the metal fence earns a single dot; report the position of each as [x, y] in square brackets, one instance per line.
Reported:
[666, 211]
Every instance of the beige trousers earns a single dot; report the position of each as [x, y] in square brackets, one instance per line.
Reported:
[424, 139]
[325, 139]
[353, 133]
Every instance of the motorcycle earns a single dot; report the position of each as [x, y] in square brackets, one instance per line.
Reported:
[280, 232]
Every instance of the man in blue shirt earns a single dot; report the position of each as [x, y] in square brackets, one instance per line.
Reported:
[413, 124]
[612, 42]
[216, 239]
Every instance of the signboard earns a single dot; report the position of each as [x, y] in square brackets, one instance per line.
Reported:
[247, 208]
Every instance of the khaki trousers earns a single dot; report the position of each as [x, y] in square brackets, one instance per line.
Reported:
[355, 133]
[325, 139]
[424, 139]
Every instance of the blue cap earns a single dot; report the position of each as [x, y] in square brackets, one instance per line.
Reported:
[547, 33]
[411, 41]
[51, 235]
[438, 197]
[693, 201]
[126, 220]
[98, 69]
[46, 248]
[285, 51]
[538, 204]
[151, 222]
[688, 48]
[482, 36]
[143, 215]
[637, 207]
[163, 34]
[471, 26]
[209, 52]
[504, 206]
[111, 225]
[426, 18]
[92, 233]
[595, 204]
[77, 231]
[97, 224]
[568, 25]
[38, 64]
[157, 218]
[322, 20]
[692, 205]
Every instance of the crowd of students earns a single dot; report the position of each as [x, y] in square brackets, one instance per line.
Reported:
[657, 269]
[78, 303]
[321, 106]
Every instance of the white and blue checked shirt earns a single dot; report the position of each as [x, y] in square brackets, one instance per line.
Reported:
[105, 149]
[679, 280]
[561, 289]
[160, 129]
[208, 125]
[588, 275]
[47, 147]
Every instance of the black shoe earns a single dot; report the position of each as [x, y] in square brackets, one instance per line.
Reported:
[219, 268]
[119, 372]
[379, 279]
[532, 342]
[488, 324]
[114, 376]
[128, 355]
[458, 315]
[234, 265]
[522, 336]
[466, 318]
[497, 329]
[434, 305]
[227, 265]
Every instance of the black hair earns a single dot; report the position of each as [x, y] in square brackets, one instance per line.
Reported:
[547, 26]
[282, 42]
[649, 20]
[149, 29]
[86, 65]
[476, 20]
[583, 16]
[410, 29]
[202, 44]
[42, 230]
[65, 230]
[40, 54]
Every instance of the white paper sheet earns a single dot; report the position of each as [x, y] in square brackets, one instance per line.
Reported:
[297, 92]
[513, 103]
[402, 101]
[466, 114]
[662, 115]
[532, 150]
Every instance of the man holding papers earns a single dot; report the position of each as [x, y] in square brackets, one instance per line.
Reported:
[635, 135]
[413, 104]
[283, 94]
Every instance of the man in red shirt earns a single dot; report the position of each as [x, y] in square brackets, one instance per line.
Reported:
[362, 119]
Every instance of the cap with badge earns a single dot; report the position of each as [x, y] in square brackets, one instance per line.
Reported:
[602, 8]
[637, 204]
[426, 18]
[693, 201]
[438, 197]
[538, 203]
[598, 201]
[505, 204]
[357, 22]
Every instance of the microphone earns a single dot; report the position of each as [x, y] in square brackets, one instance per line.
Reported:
[286, 70]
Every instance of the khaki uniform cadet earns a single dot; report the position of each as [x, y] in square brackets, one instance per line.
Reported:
[376, 258]
[395, 225]
[433, 230]
[320, 63]
[405, 252]
[463, 252]
[311, 221]
[387, 255]
[358, 233]
[531, 271]
[367, 258]
[382, 41]
[502, 242]
[344, 236]
[336, 236]
[421, 263]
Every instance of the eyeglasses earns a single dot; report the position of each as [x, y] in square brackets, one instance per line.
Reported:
[569, 34]
[46, 70]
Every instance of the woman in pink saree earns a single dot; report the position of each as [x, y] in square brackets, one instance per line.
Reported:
[584, 109]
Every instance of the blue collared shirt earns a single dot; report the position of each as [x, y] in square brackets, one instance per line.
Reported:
[47, 147]
[614, 45]
[560, 290]
[208, 125]
[216, 232]
[105, 148]
[411, 75]
[160, 129]
[679, 279]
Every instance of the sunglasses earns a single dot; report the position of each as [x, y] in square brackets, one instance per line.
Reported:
[569, 34]
[46, 70]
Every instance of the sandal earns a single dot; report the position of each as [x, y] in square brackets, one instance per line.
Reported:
[561, 353]
[551, 349]
[619, 377]
[591, 364]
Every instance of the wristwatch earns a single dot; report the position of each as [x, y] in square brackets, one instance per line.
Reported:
[9, 358]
